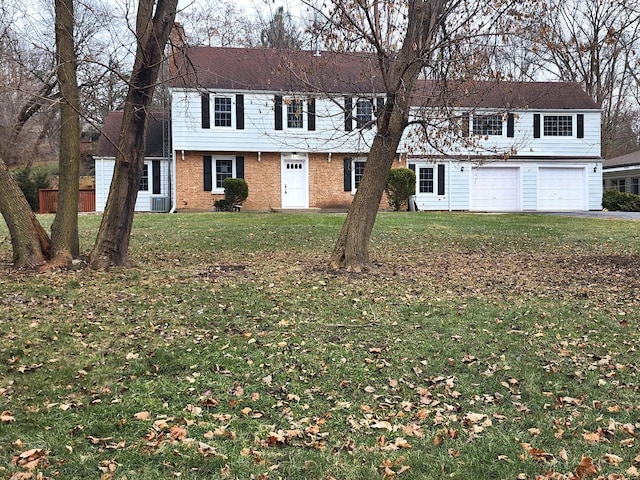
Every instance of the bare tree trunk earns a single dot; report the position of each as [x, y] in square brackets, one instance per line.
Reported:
[352, 247]
[152, 30]
[30, 242]
[64, 231]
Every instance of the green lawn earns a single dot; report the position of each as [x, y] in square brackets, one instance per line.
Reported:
[476, 347]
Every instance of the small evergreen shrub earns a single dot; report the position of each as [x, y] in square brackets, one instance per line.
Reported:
[236, 192]
[401, 184]
[30, 181]
[614, 200]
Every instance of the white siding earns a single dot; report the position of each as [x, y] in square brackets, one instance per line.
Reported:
[259, 133]
[104, 173]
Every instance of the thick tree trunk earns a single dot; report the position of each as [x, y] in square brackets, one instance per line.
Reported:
[64, 231]
[352, 247]
[153, 27]
[30, 242]
[424, 18]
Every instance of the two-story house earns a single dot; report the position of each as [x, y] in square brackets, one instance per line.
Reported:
[297, 126]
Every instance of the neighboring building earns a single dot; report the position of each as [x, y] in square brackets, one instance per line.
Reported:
[155, 187]
[622, 173]
[298, 125]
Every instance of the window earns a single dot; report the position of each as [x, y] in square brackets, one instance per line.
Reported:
[425, 180]
[216, 170]
[224, 169]
[364, 113]
[222, 111]
[487, 125]
[294, 113]
[635, 188]
[144, 181]
[358, 170]
[558, 125]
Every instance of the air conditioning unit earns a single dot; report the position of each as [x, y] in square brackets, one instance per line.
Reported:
[160, 204]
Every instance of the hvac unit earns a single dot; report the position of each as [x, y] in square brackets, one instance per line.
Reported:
[160, 204]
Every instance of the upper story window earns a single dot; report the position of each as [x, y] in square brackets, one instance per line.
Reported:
[364, 113]
[295, 118]
[222, 111]
[558, 125]
[487, 125]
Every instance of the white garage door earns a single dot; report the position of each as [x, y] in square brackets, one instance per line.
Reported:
[561, 188]
[495, 189]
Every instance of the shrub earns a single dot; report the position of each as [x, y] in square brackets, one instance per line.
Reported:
[401, 184]
[620, 201]
[30, 181]
[236, 192]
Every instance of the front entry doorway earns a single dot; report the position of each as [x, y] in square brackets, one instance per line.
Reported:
[295, 180]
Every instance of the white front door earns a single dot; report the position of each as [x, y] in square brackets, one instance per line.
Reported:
[295, 180]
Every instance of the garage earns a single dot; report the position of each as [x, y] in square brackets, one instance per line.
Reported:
[561, 188]
[495, 189]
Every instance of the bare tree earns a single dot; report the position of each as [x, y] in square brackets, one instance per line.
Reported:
[593, 42]
[154, 22]
[417, 38]
[64, 231]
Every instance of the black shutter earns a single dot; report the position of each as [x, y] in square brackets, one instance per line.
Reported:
[379, 105]
[208, 173]
[239, 166]
[536, 125]
[580, 125]
[155, 175]
[278, 111]
[206, 110]
[412, 166]
[239, 112]
[347, 174]
[440, 179]
[465, 124]
[348, 114]
[510, 125]
[311, 114]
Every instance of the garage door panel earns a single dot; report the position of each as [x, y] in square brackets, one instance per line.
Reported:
[495, 188]
[561, 188]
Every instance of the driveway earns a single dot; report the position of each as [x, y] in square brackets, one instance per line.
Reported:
[598, 214]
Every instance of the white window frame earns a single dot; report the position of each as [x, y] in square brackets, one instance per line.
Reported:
[434, 180]
[574, 124]
[287, 103]
[487, 120]
[145, 169]
[214, 171]
[363, 121]
[363, 163]
[231, 112]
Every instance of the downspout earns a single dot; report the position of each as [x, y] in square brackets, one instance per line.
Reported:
[449, 185]
[174, 194]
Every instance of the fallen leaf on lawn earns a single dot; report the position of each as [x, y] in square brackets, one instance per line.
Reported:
[591, 437]
[142, 416]
[7, 416]
[586, 468]
[30, 459]
[384, 425]
[471, 418]
[612, 459]
[176, 432]
[207, 450]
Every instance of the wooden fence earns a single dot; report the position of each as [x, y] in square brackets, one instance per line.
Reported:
[49, 200]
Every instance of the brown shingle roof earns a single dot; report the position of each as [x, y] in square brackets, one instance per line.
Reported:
[266, 69]
[623, 160]
[110, 133]
[505, 95]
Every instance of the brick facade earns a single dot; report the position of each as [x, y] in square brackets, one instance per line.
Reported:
[326, 182]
